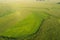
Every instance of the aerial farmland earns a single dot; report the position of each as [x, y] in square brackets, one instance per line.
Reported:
[30, 20]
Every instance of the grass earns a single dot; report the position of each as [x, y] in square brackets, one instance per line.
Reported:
[25, 22]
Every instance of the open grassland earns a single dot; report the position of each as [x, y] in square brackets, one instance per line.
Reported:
[33, 21]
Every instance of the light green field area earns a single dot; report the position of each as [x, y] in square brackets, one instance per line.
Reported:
[38, 21]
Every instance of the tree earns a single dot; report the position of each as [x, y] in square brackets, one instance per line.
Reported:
[58, 3]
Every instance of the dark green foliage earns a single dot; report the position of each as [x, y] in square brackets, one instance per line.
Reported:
[58, 3]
